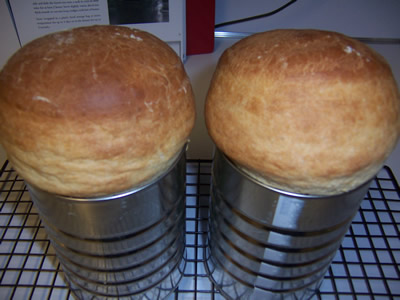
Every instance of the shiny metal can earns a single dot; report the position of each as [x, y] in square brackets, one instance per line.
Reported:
[128, 245]
[265, 243]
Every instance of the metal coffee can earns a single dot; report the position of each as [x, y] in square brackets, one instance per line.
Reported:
[128, 245]
[266, 243]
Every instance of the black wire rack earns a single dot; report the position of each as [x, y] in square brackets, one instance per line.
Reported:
[367, 265]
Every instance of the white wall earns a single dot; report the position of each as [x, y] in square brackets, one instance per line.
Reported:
[360, 18]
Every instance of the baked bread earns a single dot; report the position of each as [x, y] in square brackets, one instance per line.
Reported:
[94, 110]
[307, 111]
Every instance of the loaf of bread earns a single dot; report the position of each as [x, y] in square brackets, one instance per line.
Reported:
[94, 110]
[307, 111]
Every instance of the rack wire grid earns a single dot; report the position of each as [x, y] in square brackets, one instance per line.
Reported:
[365, 267]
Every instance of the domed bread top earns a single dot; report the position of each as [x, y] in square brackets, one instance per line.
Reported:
[94, 110]
[306, 111]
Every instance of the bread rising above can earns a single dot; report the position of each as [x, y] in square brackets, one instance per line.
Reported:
[307, 111]
[94, 110]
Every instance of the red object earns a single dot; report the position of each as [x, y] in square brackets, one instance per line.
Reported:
[200, 21]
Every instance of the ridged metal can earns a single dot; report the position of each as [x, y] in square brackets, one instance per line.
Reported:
[265, 243]
[129, 245]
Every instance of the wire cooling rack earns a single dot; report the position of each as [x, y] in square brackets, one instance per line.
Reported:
[367, 265]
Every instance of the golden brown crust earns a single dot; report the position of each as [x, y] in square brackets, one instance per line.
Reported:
[94, 110]
[305, 110]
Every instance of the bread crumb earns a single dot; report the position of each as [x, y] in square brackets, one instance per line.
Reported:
[61, 39]
[94, 73]
[348, 49]
[284, 62]
[139, 39]
[41, 98]
[148, 105]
